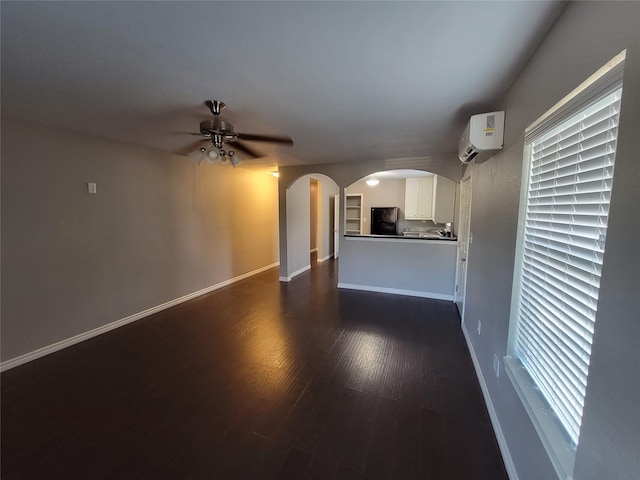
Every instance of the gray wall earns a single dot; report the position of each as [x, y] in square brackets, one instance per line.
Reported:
[159, 228]
[328, 190]
[298, 233]
[298, 217]
[585, 37]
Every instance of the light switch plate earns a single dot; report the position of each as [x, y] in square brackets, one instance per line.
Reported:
[91, 187]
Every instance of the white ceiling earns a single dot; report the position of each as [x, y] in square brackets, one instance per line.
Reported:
[348, 81]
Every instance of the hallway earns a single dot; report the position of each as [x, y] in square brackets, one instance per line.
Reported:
[258, 380]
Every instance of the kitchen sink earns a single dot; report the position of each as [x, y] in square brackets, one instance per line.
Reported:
[421, 235]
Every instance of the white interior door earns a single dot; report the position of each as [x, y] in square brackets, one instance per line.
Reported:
[336, 224]
[463, 244]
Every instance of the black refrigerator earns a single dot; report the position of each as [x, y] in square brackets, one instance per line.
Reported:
[384, 220]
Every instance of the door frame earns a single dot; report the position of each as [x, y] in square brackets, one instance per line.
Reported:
[336, 225]
[457, 296]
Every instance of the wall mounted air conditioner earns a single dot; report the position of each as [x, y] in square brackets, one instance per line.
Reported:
[482, 137]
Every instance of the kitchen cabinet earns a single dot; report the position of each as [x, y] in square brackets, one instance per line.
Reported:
[429, 198]
[353, 214]
[418, 198]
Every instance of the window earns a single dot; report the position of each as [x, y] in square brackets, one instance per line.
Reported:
[567, 179]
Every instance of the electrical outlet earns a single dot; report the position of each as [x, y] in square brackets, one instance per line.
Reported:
[479, 327]
[496, 365]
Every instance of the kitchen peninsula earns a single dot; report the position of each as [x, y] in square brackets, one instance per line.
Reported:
[410, 252]
[419, 267]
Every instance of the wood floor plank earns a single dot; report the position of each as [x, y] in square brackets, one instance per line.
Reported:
[384, 437]
[344, 473]
[406, 464]
[358, 439]
[333, 437]
[433, 450]
[295, 465]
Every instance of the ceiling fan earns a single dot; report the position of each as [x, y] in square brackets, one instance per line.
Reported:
[220, 133]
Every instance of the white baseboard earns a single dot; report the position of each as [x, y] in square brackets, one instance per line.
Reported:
[396, 291]
[502, 441]
[324, 259]
[296, 273]
[41, 352]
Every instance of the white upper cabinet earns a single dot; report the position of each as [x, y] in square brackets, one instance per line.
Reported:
[418, 198]
[429, 198]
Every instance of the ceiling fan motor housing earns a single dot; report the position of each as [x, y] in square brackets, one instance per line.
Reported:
[211, 127]
[218, 130]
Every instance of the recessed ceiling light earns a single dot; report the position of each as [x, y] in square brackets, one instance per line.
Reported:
[372, 181]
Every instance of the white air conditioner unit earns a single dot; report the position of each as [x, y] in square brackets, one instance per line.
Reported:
[482, 137]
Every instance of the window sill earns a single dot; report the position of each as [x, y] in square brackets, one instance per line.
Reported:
[551, 434]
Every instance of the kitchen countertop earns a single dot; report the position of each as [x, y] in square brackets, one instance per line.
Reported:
[406, 237]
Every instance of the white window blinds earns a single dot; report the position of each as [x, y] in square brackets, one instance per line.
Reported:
[567, 205]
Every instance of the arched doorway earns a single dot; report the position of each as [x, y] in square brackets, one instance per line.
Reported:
[299, 242]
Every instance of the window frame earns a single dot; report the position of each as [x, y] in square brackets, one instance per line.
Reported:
[552, 434]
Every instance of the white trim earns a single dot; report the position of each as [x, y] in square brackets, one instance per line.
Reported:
[466, 178]
[396, 291]
[517, 267]
[41, 352]
[296, 273]
[562, 456]
[603, 79]
[495, 423]
[324, 259]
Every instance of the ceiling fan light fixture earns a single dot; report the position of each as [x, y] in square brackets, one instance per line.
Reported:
[234, 159]
[211, 155]
[222, 157]
[372, 181]
[198, 155]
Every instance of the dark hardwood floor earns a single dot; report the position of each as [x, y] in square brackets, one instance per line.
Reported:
[259, 380]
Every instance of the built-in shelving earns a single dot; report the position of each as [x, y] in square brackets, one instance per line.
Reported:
[353, 214]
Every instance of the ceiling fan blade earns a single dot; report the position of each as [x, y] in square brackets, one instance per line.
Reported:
[193, 146]
[243, 148]
[249, 137]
